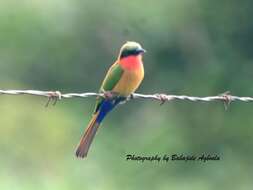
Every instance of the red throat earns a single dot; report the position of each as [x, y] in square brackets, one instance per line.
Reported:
[131, 62]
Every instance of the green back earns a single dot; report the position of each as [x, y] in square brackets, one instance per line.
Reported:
[111, 79]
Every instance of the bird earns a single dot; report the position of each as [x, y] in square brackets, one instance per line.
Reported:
[122, 79]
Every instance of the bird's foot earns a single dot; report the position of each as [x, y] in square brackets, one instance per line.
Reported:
[123, 100]
[126, 99]
[110, 95]
[131, 96]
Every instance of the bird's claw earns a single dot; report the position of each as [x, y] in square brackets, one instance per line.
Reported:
[131, 96]
[123, 101]
[109, 94]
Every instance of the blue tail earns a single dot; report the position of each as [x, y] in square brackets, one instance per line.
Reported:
[106, 107]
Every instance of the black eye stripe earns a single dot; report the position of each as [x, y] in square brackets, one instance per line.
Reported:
[127, 52]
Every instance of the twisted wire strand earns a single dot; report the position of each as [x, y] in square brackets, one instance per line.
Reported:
[226, 97]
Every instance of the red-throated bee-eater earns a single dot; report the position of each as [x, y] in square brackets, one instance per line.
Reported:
[123, 78]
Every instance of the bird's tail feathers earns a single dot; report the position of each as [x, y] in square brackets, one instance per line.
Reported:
[87, 137]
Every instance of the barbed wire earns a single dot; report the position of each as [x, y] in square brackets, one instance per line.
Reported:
[226, 97]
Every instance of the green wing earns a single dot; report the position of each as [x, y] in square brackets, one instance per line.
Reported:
[111, 79]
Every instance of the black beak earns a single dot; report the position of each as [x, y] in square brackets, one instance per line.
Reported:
[140, 50]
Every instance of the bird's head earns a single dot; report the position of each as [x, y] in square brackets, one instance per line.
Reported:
[131, 49]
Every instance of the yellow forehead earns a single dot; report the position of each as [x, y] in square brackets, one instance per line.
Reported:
[130, 45]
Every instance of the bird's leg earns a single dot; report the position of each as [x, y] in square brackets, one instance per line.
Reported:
[110, 94]
[123, 100]
[131, 96]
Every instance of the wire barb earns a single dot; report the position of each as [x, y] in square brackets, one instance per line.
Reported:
[227, 99]
[53, 96]
[163, 98]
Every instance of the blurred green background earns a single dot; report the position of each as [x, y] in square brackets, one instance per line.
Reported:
[195, 47]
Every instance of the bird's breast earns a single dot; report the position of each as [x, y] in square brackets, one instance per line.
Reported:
[130, 80]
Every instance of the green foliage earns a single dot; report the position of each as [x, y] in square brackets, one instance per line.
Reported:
[194, 47]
